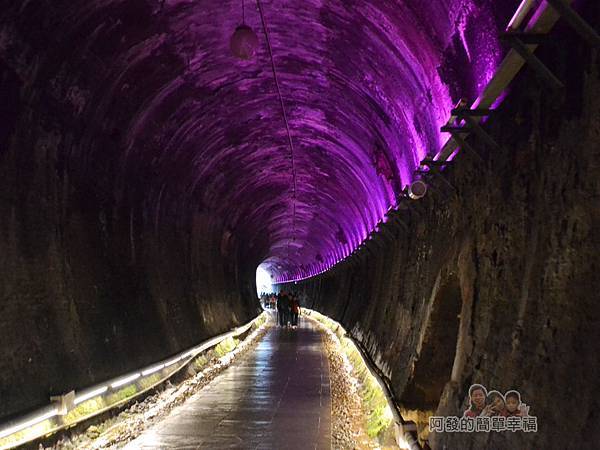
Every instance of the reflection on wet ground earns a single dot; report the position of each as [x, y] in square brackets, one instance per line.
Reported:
[275, 397]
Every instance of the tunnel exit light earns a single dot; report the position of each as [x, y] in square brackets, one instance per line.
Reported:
[263, 281]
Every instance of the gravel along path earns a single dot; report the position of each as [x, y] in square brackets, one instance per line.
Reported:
[348, 417]
[346, 409]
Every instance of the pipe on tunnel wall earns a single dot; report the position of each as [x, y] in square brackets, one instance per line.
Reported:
[497, 284]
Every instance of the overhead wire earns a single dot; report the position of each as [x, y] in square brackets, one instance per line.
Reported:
[285, 120]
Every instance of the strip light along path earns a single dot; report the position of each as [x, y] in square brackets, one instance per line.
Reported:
[275, 397]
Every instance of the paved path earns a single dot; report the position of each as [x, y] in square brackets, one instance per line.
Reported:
[275, 397]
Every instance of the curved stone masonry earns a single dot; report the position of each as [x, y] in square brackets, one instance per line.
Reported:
[366, 87]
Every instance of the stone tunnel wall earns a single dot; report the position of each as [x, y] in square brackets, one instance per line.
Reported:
[96, 279]
[499, 283]
[90, 290]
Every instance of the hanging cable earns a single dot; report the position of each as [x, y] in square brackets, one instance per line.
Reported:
[285, 120]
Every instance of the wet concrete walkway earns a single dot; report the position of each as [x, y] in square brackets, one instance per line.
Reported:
[275, 397]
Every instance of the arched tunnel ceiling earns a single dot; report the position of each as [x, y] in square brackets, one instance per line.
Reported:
[366, 86]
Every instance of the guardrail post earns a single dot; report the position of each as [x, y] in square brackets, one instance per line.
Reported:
[64, 403]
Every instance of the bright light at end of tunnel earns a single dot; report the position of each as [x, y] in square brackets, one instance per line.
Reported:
[263, 281]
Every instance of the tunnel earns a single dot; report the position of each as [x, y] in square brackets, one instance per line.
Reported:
[154, 154]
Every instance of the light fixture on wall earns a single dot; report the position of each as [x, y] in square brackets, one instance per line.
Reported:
[244, 42]
[417, 190]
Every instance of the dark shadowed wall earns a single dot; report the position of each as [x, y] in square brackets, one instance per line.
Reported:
[95, 280]
[92, 286]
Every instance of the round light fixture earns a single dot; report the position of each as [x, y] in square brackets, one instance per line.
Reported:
[244, 42]
[417, 190]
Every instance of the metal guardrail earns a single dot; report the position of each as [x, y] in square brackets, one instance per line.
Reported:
[55, 417]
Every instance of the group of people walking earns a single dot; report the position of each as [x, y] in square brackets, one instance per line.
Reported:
[288, 309]
[287, 304]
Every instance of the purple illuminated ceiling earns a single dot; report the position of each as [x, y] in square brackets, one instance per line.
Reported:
[366, 85]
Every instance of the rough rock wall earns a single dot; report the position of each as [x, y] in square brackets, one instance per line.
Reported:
[499, 283]
[96, 277]
[90, 290]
